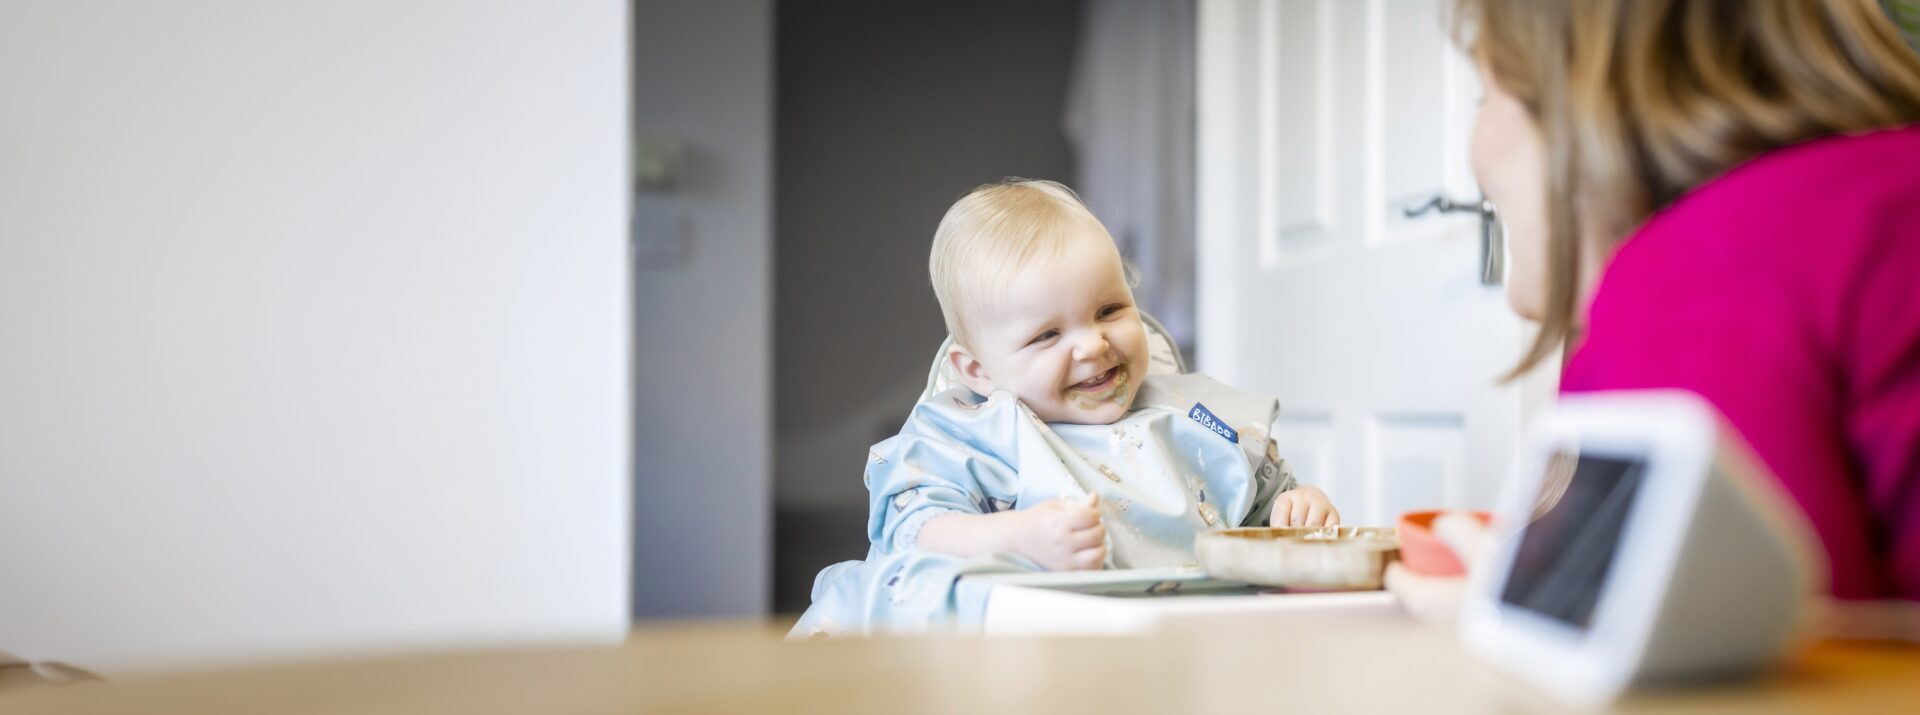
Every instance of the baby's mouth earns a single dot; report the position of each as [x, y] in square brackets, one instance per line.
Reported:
[1098, 382]
[1094, 392]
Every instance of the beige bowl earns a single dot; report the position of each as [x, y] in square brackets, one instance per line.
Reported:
[1327, 558]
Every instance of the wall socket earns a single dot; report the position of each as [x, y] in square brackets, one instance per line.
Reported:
[659, 164]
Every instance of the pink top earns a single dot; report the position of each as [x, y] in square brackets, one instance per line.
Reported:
[1787, 293]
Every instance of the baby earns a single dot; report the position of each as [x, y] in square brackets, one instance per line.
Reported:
[1056, 434]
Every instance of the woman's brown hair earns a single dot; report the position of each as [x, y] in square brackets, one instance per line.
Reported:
[1641, 101]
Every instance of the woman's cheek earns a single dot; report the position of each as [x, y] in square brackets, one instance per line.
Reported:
[1507, 163]
[1526, 274]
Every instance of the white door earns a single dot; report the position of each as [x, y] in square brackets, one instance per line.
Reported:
[1321, 122]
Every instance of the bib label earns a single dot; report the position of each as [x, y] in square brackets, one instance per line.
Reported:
[1205, 417]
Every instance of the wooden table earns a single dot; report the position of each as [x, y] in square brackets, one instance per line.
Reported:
[1336, 664]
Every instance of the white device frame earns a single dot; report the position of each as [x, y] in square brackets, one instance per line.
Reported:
[1677, 441]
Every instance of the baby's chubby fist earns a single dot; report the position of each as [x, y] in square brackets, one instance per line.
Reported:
[1303, 506]
[1063, 534]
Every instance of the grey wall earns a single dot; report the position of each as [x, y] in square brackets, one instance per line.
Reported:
[887, 112]
[703, 325]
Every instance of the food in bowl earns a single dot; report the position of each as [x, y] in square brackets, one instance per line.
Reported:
[1320, 558]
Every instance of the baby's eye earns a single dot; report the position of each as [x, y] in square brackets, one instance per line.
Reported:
[1111, 309]
[1043, 337]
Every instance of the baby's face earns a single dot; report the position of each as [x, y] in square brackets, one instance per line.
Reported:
[1065, 338]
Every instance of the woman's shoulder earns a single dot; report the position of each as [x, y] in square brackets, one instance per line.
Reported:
[1784, 259]
[1831, 183]
[1816, 211]
[1881, 156]
[1880, 146]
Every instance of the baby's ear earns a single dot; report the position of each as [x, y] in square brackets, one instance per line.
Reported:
[972, 373]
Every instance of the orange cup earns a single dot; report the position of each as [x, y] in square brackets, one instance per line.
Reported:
[1424, 553]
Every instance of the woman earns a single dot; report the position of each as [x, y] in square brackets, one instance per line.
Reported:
[1724, 197]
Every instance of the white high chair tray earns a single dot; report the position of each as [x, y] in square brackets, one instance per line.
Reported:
[1132, 601]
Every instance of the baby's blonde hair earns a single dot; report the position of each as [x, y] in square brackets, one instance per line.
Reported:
[994, 231]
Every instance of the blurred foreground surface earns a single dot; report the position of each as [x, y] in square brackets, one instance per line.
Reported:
[1342, 664]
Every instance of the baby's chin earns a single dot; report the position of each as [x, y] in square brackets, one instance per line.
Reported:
[1105, 415]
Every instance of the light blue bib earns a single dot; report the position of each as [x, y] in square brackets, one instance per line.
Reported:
[1192, 455]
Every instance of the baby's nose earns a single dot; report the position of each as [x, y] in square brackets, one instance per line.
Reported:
[1090, 347]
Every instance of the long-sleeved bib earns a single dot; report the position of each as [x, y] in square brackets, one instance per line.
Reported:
[1192, 455]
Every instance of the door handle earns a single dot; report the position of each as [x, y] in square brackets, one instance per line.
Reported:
[1492, 241]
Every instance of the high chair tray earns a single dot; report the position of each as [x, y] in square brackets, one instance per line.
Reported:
[1125, 601]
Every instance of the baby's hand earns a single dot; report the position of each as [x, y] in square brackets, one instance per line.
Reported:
[1064, 534]
[1303, 506]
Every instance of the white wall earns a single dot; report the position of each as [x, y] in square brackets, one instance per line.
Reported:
[703, 327]
[313, 327]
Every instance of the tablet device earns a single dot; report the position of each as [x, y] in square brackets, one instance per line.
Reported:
[1638, 542]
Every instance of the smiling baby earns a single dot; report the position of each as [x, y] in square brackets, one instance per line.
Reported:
[1058, 450]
